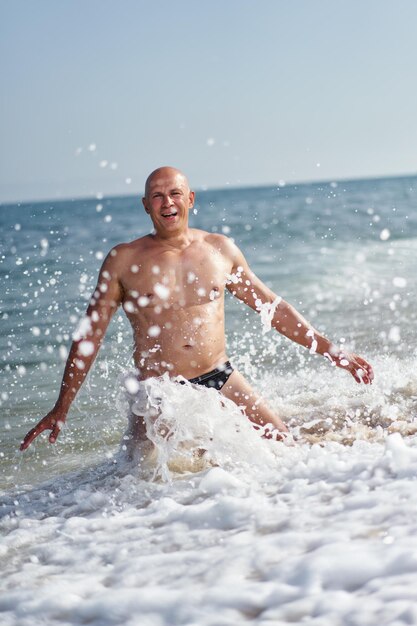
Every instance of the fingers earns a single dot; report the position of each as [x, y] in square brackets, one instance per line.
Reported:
[52, 424]
[55, 432]
[368, 373]
[361, 371]
[360, 376]
[32, 434]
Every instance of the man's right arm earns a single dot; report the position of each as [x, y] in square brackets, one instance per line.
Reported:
[87, 340]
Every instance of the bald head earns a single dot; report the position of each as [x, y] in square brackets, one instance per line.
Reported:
[168, 200]
[162, 173]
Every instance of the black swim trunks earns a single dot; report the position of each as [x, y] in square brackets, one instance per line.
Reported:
[214, 379]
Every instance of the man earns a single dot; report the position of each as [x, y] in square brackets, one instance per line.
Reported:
[171, 285]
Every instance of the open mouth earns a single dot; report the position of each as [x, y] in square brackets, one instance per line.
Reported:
[170, 215]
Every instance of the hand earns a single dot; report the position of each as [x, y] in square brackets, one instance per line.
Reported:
[53, 421]
[360, 369]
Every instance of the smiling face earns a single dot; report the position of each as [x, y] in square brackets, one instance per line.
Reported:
[168, 200]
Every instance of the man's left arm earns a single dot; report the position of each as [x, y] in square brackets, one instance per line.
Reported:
[248, 288]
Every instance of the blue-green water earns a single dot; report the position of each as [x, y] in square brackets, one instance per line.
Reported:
[343, 253]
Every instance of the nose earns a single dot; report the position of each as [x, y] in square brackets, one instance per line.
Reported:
[167, 201]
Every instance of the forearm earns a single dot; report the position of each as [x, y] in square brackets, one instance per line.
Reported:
[76, 370]
[87, 340]
[293, 325]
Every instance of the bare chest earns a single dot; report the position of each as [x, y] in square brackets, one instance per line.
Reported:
[173, 280]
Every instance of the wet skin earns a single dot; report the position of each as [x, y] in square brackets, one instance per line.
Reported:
[171, 285]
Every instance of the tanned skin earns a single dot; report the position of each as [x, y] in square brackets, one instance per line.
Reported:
[171, 285]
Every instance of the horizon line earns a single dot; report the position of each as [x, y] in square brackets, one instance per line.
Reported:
[204, 189]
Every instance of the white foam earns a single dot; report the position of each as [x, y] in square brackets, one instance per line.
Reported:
[327, 531]
[267, 311]
[251, 531]
[191, 424]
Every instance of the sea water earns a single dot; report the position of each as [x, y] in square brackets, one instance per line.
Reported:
[216, 526]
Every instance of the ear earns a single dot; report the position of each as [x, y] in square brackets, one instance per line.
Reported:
[191, 199]
[144, 204]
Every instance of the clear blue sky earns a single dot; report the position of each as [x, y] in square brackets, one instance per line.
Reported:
[234, 92]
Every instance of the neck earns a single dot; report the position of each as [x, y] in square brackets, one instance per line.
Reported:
[175, 240]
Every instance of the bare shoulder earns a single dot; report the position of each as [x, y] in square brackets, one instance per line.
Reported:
[224, 245]
[123, 253]
[135, 246]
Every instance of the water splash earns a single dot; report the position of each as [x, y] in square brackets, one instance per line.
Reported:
[192, 428]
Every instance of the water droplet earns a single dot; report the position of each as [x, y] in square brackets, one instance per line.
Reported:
[399, 281]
